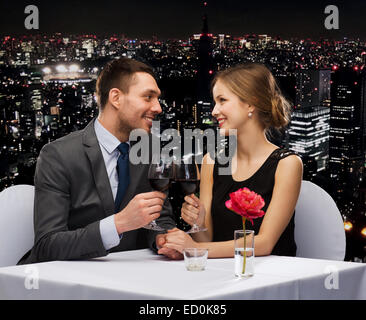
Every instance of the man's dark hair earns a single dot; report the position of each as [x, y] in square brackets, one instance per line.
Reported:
[118, 74]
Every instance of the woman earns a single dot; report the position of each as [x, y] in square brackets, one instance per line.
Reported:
[247, 99]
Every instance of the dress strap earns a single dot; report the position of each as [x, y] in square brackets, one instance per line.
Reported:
[282, 153]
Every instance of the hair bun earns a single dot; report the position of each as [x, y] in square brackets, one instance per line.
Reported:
[280, 110]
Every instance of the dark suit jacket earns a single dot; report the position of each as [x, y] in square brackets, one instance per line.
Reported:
[72, 195]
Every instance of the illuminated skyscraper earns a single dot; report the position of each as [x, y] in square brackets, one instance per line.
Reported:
[205, 113]
[36, 103]
[309, 128]
[35, 91]
[30, 112]
[309, 134]
[313, 88]
[347, 130]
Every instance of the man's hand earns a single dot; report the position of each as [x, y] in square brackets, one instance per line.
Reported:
[178, 240]
[140, 211]
[168, 252]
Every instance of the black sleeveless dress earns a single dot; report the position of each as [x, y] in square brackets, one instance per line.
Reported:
[261, 182]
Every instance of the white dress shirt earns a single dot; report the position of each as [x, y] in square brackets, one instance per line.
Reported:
[108, 145]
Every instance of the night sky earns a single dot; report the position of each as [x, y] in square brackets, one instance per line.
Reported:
[180, 19]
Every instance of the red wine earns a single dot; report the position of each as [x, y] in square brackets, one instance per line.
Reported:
[189, 186]
[160, 184]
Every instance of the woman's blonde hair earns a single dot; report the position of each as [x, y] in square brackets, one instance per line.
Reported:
[254, 84]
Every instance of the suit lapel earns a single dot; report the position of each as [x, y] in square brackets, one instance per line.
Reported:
[93, 152]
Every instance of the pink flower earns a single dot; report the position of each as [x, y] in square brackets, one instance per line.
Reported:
[246, 203]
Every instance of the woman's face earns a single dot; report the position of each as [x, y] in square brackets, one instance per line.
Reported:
[229, 110]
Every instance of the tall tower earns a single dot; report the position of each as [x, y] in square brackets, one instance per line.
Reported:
[347, 125]
[205, 73]
[205, 67]
[309, 127]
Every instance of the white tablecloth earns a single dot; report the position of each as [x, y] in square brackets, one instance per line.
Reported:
[141, 274]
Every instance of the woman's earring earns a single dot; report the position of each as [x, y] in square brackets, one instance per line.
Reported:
[250, 114]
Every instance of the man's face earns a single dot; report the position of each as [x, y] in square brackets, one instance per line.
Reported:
[140, 105]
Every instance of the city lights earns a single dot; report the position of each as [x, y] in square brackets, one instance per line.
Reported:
[61, 68]
[74, 68]
[46, 70]
[348, 225]
[324, 81]
[363, 232]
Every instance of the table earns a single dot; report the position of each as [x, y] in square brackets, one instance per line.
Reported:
[141, 274]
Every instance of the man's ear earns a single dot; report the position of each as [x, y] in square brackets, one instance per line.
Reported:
[114, 97]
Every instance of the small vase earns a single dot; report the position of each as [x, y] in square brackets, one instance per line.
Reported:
[244, 253]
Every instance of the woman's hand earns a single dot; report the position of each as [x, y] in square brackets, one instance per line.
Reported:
[178, 240]
[193, 210]
[168, 252]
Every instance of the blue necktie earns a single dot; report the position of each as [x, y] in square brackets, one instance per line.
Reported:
[123, 174]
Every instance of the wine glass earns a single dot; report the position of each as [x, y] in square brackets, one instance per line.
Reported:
[188, 176]
[160, 175]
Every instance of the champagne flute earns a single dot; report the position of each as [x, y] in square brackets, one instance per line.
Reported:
[188, 176]
[160, 175]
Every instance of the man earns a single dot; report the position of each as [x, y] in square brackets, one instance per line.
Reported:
[89, 199]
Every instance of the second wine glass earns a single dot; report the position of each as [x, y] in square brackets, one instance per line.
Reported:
[188, 176]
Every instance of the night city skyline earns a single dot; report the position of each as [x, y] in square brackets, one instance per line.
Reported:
[48, 76]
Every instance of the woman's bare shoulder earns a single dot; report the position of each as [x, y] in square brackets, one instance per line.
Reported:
[290, 165]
